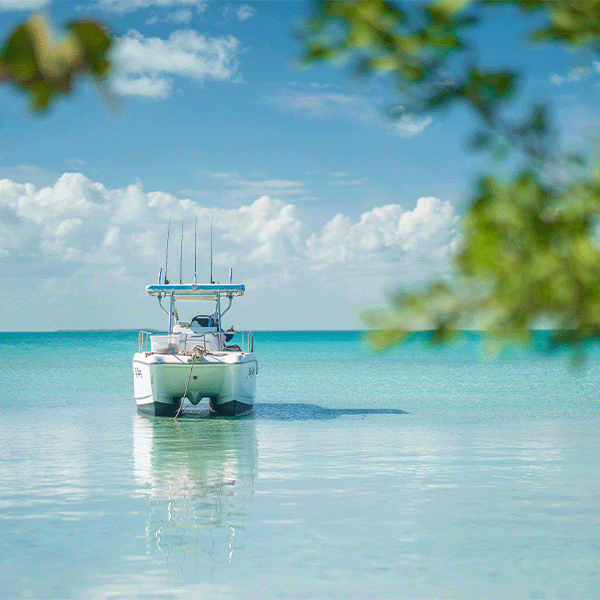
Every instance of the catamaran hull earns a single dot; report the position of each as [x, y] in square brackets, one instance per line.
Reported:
[163, 381]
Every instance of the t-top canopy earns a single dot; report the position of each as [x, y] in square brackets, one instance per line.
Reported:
[196, 291]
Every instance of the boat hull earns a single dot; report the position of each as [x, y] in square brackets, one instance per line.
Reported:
[162, 382]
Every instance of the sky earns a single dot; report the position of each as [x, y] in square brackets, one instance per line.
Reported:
[319, 203]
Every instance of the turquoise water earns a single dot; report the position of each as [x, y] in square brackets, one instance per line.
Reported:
[416, 473]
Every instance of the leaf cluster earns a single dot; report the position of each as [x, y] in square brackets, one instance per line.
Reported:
[529, 255]
[35, 62]
[572, 22]
[417, 45]
[529, 258]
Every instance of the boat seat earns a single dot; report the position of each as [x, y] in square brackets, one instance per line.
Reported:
[232, 348]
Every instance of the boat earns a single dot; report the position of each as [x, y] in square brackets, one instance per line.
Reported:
[195, 359]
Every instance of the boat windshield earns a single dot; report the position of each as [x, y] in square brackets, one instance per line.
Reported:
[204, 320]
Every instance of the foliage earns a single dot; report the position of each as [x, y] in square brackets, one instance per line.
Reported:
[529, 254]
[36, 63]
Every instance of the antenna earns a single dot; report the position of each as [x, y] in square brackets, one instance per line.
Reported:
[167, 253]
[211, 227]
[181, 252]
[195, 247]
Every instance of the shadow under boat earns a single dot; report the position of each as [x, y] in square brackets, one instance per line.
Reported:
[304, 411]
[289, 412]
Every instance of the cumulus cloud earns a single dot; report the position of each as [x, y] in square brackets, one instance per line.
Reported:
[415, 240]
[146, 66]
[80, 230]
[268, 228]
[79, 222]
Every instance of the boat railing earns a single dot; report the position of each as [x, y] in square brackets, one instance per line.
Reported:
[172, 343]
[245, 337]
[143, 341]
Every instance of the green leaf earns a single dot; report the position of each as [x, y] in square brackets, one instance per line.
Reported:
[95, 43]
[33, 61]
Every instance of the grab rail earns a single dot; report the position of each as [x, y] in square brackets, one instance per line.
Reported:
[143, 338]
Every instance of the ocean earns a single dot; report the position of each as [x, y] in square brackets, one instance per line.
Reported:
[412, 473]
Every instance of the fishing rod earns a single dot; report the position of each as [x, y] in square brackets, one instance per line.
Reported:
[181, 254]
[211, 251]
[167, 252]
[195, 248]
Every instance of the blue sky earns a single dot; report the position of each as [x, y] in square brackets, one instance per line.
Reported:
[321, 204]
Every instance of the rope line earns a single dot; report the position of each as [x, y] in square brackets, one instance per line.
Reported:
[197, 353]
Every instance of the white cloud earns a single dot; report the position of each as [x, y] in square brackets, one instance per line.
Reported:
[77, 234]
[73, 194]
[574, 74]
[125, 6]
[409, 125]
[323, 105]
[223, 175]
[81, 222]
[148, 86]
[411, 240]
[180, 16]
[28, 173]
[268, 228]
[240, 187]
[361, 181]
[77, 162]
[111, 237]
[356, 108]
[146, 65]
[67, 227]
[241, 13]
[245, 12]
[280, 187]
[22, 4]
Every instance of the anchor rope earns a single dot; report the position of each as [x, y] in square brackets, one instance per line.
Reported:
[197, 352]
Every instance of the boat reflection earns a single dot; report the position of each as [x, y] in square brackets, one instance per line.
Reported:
[197, 476]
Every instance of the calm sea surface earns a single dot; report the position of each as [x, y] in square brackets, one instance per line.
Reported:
[416, 473]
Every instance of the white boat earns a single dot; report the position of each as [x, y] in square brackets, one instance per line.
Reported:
[195, 359]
